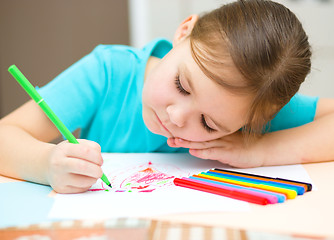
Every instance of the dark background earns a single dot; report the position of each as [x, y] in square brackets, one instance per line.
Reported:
[42, 38]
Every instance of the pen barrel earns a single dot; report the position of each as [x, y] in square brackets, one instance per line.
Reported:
[221, 191]
[29, 88]
[25, 84]
[56, 121]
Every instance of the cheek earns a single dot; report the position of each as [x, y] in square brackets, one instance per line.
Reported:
[157, 92]
[154, 96]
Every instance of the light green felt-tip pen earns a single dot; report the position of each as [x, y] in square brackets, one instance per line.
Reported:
[28, 87]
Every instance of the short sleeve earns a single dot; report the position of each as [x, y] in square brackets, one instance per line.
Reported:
[300, 110]
[75, 94]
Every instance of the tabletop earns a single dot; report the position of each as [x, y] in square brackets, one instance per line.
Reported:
[306, 217]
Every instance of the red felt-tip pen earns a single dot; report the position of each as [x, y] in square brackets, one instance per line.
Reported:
[235, 194]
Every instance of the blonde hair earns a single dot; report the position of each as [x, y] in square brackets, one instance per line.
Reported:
[267, 45]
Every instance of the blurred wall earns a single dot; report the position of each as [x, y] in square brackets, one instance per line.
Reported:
[43, 38]
[160, 18]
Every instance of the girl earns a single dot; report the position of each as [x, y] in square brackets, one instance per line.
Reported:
[226, 89]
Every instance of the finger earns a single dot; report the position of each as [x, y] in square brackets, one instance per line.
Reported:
[79, 181]
[92, 144]
[210, 153]
[171, 142]
[70, 183]
[70, 189]
[83, 167]
[218, 154]
[83, 151]
[178, 142]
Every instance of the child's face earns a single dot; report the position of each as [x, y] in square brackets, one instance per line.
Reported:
[179, 100]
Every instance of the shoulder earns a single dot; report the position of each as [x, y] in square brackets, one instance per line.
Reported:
[117, 53]
[158, 47]
[300, 100]
[325, 106]
[301, 109]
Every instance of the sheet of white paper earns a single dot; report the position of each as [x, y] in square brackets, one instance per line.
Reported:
[142, 186]
[100, 205]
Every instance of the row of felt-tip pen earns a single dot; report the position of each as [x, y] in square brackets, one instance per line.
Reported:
[247, 187]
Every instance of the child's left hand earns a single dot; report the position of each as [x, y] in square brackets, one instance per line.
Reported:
[229, 149]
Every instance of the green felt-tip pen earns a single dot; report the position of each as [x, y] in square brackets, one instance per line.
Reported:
[28, 87]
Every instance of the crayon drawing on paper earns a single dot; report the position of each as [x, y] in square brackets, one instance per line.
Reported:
[145, 177]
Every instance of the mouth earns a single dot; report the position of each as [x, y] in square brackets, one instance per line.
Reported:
[163, 126]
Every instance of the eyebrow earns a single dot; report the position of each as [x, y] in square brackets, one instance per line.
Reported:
[187, 76]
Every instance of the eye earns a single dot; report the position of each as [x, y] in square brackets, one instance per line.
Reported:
[205, 125]
[179, 86]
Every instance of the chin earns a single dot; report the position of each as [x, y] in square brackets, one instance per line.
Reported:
[154, 129]
[158, 132]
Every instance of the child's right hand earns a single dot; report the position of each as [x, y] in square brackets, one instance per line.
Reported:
[74, 168]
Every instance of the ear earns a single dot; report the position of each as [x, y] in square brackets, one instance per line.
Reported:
[185, 28]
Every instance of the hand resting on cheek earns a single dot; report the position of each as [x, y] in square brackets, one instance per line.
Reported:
[230, 149]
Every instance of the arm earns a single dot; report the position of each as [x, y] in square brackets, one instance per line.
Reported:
[312, 142]
[26, 153]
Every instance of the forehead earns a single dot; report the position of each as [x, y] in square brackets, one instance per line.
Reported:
[217, 64]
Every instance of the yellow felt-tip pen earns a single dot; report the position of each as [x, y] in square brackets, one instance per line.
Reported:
[290, 194]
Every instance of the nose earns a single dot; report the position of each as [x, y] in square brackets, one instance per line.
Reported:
[177, 115]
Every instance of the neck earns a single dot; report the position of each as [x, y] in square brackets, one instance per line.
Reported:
[151, 63]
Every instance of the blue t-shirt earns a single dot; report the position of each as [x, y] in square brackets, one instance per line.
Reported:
[299, 111]
[101, 94]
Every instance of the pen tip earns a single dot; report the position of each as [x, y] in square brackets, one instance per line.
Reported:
[110, 185]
